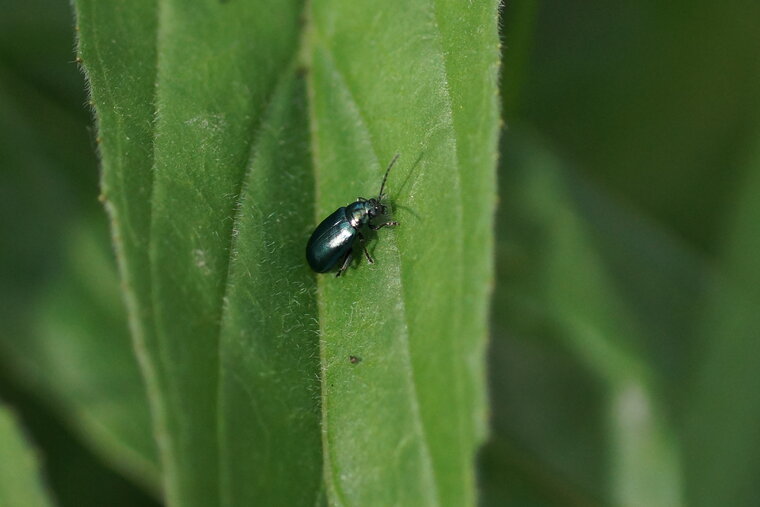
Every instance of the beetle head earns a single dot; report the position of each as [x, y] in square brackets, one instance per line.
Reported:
[376, 208]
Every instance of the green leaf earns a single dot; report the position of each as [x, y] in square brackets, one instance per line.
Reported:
[610, 87]
[580, 366]
[117, 45]
[214, 85]
[721, 399]
[204, 120]
[64, 341]
[269, 389]
[623, 362]
[632, 100]
[402, 425]
[79, 357]
[222, 90]
[20, 482]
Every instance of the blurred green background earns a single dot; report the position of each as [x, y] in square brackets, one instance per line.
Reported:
[626, 336]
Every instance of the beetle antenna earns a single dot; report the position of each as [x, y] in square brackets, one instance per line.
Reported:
[382, 186]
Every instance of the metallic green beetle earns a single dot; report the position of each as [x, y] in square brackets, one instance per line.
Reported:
[333, 240]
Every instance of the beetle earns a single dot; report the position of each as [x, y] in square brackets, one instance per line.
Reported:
[334, 239]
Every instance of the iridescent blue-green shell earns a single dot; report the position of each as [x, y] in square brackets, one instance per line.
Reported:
[330, 241]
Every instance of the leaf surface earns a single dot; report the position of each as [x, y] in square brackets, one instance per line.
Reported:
[186, 102]
[269, 353]
[721, 399]
[221, 65]
[79, 357]
[117, 44]
[209, 165]
[20, 481]
[582, 371]
[65, 341]
[418, 80]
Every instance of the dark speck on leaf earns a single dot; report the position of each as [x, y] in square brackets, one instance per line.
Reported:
[354, 359]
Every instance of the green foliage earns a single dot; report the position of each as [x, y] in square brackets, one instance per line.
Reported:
[624, 287]
[94, 381]
[413, 407]
[562, 268]
[204, 129]
[65, 356]
[622, 324]
[20, 483]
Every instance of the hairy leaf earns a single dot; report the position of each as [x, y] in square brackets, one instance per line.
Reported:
[208, 178]
[401, 426]
[117, 46]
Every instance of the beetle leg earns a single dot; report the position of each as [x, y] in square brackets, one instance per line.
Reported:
[362, 239]
[366, 252]
[380, 226]
[369, 257]
[346, 262]
[361, 199]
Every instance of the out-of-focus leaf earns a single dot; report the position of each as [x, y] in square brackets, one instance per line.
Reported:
[655, 101]
[722, 444]
[50, 182]
[44, 158]
[401, 426]
[518, 22]
[656, 104]
[20, 481]
[36, 47]
[79, 357]
[76, 476]
[578, 379]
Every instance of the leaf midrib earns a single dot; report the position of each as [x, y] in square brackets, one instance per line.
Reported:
[247, 174]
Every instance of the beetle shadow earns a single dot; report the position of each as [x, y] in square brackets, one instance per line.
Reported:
[411, 170]
[371, 237]
[392, 200]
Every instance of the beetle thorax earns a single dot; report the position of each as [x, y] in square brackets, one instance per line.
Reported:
[358, 213]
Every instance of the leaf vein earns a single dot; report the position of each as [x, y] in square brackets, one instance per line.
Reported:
[233, 238]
